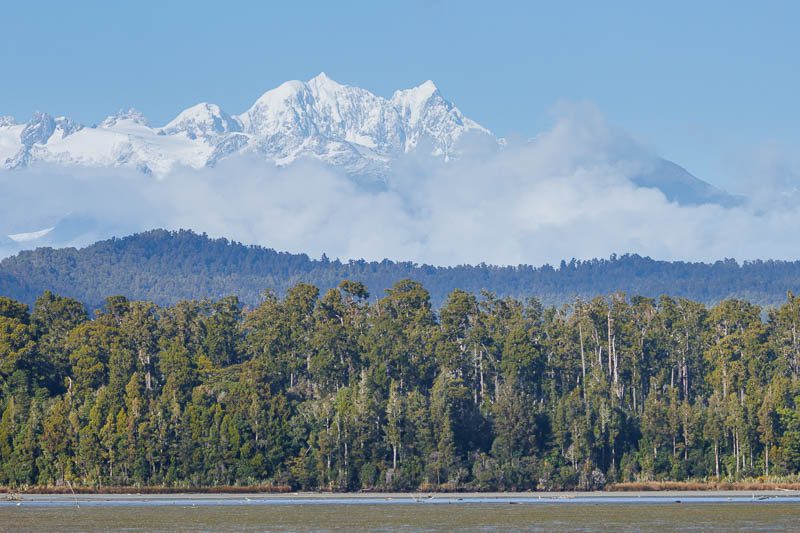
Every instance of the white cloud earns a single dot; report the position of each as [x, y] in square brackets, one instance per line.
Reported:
[567, 193]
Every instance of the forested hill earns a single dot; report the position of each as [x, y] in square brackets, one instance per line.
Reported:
[165, 267]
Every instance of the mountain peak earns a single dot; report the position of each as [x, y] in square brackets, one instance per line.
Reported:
[285, 91]
[131, 115]
[415, 98]
[426, 87]
[38, 130]
[66, 126]
[7, 120]
[412, 102]
[346, 126]
[201, 120]
[321, 83]
[322, 78]
[420, 93]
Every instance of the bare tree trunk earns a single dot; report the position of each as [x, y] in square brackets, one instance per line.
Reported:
[616, 368]
[794, 355]
[609, 324]
[483, 384]
[144, 358]
[583, 358]
[685, 377]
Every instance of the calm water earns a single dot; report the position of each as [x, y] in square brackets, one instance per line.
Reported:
[443, 514]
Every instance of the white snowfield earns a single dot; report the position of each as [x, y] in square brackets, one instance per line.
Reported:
[347, 127]
[30, 236]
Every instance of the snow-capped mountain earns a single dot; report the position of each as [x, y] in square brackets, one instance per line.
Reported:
[345, 126]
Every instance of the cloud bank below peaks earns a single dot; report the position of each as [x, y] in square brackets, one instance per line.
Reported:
[570, 192]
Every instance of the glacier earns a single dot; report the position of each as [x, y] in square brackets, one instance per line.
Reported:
[347, 127]
[372, 140]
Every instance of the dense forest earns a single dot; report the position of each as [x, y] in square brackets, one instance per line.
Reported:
[340, 391]
[167, 267]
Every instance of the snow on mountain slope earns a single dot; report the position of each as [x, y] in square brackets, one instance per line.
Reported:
[428, 114]
[350, 127]
[120, 140]
[202, 120]
[347, 127]
[30, 236]
[10, 143]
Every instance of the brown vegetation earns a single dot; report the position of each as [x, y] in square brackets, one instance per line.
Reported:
[639, 486]
[64, 489]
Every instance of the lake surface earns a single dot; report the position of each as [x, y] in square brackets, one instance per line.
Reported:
[402, 513]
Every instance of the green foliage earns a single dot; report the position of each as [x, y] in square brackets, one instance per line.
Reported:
[332, 392]
[167, 267]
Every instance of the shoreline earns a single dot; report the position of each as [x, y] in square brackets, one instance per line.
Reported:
[405, 497]
[636, 488]
[279, 491]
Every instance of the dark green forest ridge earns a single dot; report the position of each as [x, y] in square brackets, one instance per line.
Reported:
[165, 267]
[339, 391]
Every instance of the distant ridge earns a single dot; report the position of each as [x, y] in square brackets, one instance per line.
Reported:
[165, 267]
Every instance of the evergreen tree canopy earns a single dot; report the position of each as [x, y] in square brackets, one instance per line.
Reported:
[328, 391]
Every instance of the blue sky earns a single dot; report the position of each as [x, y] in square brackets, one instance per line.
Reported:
[702, 82]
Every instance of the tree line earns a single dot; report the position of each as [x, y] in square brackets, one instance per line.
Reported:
[336, 391]
[167, 267]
